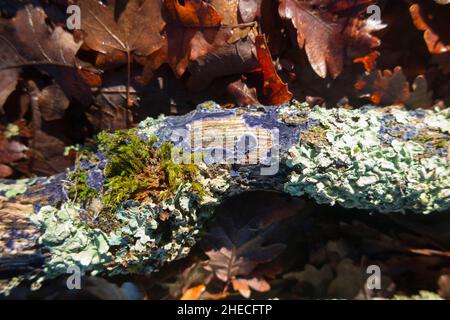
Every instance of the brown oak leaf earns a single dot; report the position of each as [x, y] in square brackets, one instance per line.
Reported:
[27, 39]
[432, 19]
[325, 28]
[193, 30]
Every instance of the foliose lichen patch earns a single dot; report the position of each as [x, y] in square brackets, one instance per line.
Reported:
[130, 209]
[373, 160]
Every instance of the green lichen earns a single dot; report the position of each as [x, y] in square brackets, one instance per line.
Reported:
[15, 189]
[148, 235]
[148, 211]
[356, 170]
[178, 173]
[70, 241]
[440, 120]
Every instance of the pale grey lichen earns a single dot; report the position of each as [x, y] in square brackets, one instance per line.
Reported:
[150, 126]
[70, 241]
[12, 190]
[149, 235]
[356, 169]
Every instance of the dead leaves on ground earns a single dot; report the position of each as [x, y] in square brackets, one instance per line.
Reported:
[137, 58]
[264, 246]
[430, 17]
[249, 232]
[392, 88]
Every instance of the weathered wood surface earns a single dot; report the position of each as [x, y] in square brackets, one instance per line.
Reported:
[380, 160]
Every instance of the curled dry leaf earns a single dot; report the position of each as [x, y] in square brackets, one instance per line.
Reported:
[242, 94]
[274, 89]
[250, 9]
[230, 59]
[136, 30]
[369, 61]
[384, 87]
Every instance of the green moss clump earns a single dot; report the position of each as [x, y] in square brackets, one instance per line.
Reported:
[136, 170]
[80, 190]
[176, 174]
[129, 157]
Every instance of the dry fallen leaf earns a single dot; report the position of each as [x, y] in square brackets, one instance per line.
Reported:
[432, 19]
[324, 32]
[27, 39]
[274, 89]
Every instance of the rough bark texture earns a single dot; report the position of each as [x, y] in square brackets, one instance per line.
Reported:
[131, 207]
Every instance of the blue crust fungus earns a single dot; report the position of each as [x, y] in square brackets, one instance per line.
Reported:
[388, 161]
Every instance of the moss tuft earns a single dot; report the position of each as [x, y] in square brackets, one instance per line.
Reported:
[80, 191]
[134, 170]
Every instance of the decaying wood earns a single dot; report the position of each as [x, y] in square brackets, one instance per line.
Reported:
[208, 128]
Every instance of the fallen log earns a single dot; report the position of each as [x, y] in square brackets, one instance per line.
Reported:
[141, 198]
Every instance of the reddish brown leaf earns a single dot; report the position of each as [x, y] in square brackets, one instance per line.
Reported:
[384, 88]
[5, 171]
[242, 95]
[433, 20]
[250, 230]
[274, 89]
[387, 88]
[229, 11]
[193, 30]
[325, 34]
[193, 293]
[369, 61]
